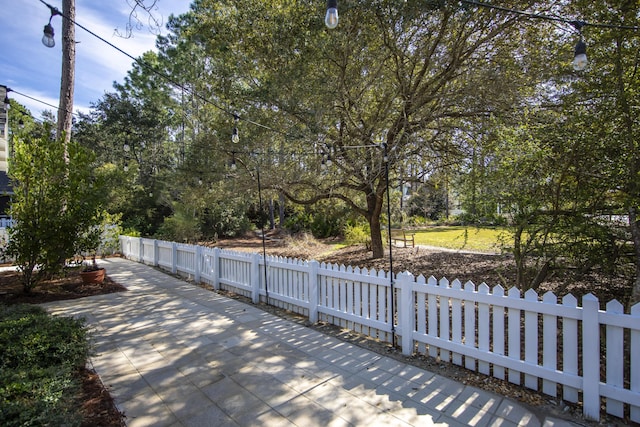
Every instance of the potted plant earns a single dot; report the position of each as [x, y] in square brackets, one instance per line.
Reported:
[92, 273]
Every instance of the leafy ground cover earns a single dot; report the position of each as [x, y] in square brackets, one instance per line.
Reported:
[43, 377]
[38, 364]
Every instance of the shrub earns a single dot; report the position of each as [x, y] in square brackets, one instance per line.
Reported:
[182, 226]
[57, 205]
[39, 357]
[356, 234]
[228, 219]
[324, 219]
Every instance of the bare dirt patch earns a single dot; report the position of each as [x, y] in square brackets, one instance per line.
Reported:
[492, 269]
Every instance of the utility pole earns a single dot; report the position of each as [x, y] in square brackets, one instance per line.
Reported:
[65, 108]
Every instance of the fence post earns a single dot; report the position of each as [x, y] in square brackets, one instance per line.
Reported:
[313, 291]
[198, 266]
[635, 366]
[406, 312]
[216, 269]
[156, 253]
[590, 357]
[141, 251]
[255, 278]
[174, 258]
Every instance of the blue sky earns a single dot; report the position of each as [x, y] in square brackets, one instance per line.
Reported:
[27, 66]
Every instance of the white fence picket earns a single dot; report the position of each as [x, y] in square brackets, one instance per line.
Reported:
[444, 320]
[484, 334]
[531, 340]
[469, 325]
[432, 327]
[615, 358]
[513, 325]
[421, 307]
[570, 347]
[549, 344]
[482, 329]
[634, 349]
[498, 331]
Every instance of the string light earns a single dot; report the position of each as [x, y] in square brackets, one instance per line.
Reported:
[235, 138]
[580, 57]
[48, 33]
[166, 77]
[331, 18]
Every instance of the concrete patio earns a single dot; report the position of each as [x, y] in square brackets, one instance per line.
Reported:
[174, 354]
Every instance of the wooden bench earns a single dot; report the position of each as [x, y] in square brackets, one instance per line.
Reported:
[402, 236]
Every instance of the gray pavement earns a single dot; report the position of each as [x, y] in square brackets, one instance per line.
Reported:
[174, 354]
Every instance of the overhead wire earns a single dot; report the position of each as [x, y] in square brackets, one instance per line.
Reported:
[532, 15]
[161, 74]
[542, 16]
[38, 100]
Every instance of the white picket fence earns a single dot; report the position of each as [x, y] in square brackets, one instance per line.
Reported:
[575, 353]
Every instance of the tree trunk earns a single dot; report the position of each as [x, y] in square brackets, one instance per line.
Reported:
[377, 246]
[65, 108]
[281, 201]
[518, 256]
[374, 209]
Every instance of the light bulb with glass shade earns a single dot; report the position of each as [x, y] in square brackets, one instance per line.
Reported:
[47, 38]
[126, 147]
[331, 18]
[126, 167]
[233, 165]
[235, 138]
[580, 59]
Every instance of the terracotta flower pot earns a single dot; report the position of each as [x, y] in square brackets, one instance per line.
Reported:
[93, 276]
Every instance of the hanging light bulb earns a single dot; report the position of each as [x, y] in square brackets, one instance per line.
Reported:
[329, 161]
[126, 147]
[323, 164]
[331, 18]
[580, 57]
[47, 38]
[126, 167]
[235, 138]
[580, 60]
[233, 165]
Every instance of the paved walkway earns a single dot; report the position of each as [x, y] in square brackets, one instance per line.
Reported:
[174, 354]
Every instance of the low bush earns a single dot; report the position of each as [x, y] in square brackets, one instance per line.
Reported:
[356, 234]
[39, 356]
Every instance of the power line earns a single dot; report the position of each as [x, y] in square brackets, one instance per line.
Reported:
[37, 100]
[532, 15]
[161, 74]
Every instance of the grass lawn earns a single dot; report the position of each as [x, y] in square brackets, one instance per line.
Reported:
[484, 239]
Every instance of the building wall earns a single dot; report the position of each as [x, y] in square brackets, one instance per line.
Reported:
[4, 132]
